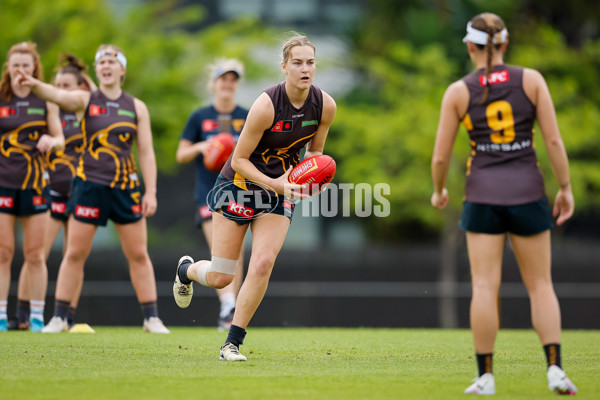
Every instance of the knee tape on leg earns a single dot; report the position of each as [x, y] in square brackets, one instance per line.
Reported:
[217, 264]
[223, 265]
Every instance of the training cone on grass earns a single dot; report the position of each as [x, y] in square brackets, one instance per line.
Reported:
[81, 328]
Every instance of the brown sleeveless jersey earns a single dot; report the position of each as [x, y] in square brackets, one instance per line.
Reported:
[280, 145]
[502, 168]
[62, 164]
[22, 123]
[109, 127]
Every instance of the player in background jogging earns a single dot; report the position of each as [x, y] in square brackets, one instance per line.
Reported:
[29, 127]
[107, 184]
[505, 195]
[223, 115]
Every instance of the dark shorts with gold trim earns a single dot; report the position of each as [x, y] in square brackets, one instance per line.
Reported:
[244, 206]
[23, 203]
[524, 219]
[95, 204]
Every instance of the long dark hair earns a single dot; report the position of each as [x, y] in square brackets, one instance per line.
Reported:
[69, 64]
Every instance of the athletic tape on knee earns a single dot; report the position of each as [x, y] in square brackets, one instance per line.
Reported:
[223, 265]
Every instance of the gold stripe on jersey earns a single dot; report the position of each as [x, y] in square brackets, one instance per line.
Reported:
[62, 158]
[12, 138]
[282, 151]
[240, 181]
[101, 137]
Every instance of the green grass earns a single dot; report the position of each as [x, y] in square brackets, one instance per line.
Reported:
[283, 363]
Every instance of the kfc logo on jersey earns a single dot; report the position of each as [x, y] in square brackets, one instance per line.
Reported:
[136, 209]
[209, 125]
[96, 110]
[58, 208]
[240, 210]
[283, 126]
[495, 77]
[6, 202]
[39, 200]
[87, 212]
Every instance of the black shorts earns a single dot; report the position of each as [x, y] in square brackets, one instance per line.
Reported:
[203, 214]
[95, 204]
[23, 203]
[524, 219]
[58, 205]
[243, 206]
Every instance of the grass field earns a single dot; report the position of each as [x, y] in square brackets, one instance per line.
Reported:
[283, 363]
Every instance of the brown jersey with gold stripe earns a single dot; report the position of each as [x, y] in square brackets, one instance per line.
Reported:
[280, 145]
[109, 128]
[503, 168]
[22, 123]
[62, 164]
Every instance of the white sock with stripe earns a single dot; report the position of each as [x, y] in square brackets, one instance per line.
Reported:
[3, 304]
[37, 309]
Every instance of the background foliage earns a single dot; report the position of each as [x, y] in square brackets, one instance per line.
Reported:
[405, 53]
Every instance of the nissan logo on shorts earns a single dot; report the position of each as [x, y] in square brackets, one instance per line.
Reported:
[242, 204]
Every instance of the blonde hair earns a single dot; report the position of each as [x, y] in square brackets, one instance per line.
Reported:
[492, 25]
[222, 65]
[20, 48]
[297, 39]
[117, 50]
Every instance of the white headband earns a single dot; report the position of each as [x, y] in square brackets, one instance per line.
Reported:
[118, 55]
[480, 37]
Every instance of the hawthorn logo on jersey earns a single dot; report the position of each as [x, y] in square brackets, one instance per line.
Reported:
[495, 77]
[87, 212]
[240, 210]
[58, 208]
[209, 125]
[283, 126]
[6, 202]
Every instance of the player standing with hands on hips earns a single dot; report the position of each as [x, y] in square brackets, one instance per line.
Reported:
[224, 115]
[505, 194]
[29, 127]
[283, 119]
[107, 186]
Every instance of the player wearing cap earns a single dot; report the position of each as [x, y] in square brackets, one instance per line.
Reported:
[223, 115]
[107, 185]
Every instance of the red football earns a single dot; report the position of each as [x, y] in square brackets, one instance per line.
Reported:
[315, 171]
[219, 149]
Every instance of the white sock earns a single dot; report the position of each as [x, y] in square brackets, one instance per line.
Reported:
[227, 303]
[3, 304]
[36, 309]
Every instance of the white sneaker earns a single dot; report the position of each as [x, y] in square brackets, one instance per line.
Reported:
[155, 325]
[56, 325]
[183, 292]
[230, 352]
[485, 384]
[558, 381]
